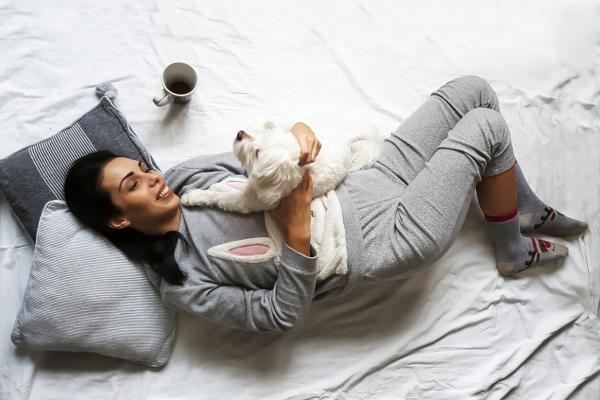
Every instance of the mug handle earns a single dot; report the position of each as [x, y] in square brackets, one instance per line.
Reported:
[162, 99]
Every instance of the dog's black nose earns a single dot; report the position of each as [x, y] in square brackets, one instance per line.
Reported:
[240, 135]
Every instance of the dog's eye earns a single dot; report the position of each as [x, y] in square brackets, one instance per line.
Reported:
[256, 153]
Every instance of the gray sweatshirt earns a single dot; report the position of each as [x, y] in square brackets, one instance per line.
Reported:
[230, 290]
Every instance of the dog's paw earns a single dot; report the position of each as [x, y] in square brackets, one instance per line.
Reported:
[196, 197]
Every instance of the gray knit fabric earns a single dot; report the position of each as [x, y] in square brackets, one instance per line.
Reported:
[412, 204]
[251, 295]
[418, 222]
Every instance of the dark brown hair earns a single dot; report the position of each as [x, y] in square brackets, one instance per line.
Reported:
[93, 207]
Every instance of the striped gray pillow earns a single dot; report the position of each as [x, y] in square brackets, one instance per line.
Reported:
[84, 295]
[36, 174]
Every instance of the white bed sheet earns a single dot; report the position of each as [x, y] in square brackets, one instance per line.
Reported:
[456, 331]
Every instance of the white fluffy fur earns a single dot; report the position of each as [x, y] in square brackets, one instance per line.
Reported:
[270, 155]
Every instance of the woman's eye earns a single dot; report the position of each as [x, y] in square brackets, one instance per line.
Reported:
[256, 153]
[133, 186]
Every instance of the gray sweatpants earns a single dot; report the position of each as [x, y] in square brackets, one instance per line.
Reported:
[413, 203]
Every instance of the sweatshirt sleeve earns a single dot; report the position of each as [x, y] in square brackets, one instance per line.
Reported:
[202, 171]
[279, 308]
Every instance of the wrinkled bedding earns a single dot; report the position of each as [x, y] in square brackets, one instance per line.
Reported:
[457, 330]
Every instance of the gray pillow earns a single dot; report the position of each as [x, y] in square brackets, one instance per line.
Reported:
[35, 175]
[84, 295]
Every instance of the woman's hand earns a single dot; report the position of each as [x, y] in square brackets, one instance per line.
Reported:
[293, 215]
[309, 144]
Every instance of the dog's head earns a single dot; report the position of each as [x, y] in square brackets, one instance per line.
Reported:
[270, 155]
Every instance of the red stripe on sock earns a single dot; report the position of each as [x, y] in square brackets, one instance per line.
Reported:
[501, 218]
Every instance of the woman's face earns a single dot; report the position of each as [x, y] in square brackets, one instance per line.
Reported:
[139, 192]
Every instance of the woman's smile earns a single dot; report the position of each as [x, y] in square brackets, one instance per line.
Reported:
[165, 194]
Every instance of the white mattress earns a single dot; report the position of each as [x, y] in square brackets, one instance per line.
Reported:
[456, 331]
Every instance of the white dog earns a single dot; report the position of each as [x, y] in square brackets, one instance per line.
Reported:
[270, 156]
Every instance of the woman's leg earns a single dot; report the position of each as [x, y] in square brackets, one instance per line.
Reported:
[406, 150]
[433, 206]
[497, 197]
[537, 217]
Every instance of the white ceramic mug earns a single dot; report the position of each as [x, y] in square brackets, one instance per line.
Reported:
[179, 81]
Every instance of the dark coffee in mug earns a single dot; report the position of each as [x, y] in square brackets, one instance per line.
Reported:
[179, 87]
[179, 82]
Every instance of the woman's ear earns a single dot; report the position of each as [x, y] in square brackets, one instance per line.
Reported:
[118, 223]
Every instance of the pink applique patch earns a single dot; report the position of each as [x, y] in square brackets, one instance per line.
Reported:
[239, 185]
[250, 250]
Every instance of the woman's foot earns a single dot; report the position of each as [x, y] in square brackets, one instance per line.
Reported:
[537, 217]
[528, 253]
[515, 253]
[548, 221]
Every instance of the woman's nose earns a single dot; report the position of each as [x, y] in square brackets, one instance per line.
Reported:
[240, 135]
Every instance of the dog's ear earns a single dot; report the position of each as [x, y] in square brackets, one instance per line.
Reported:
[269, 124]
[273, 172]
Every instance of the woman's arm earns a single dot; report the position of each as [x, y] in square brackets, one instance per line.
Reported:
[279, 308]
[202, 171]
[293, 215]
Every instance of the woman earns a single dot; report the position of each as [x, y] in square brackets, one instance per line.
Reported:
[397, 217]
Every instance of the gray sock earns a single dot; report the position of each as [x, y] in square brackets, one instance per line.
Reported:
[515, 252]
[537, 217]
